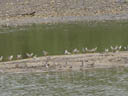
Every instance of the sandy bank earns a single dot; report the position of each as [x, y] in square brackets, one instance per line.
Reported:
[64, 19]
[67, 62]
[22, 12]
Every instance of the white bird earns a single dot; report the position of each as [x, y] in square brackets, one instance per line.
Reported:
[125, 48]
[91, 50]
[86, 49]
[10, 57]
[94, 49]
[1, 58]
[29, 55]
[45, 52]
[112, 48]
[19, 56]
[116, 48]
[120, 47]
[47, 65]
[35, 56]
[106, 50]
[83, 50]
[75, 50]
[66, 52]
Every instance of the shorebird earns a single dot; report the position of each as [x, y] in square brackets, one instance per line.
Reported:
[113, 48]
[116, 48]
[1, 58]
[120, 47]
[91, 50]
[126, 48]
[75, 50]
[66, 52]
[83, 50]
[47, 65]
[19, 56]
[10, 57]
[94, 49]
[45, 53]
[35, 56]
[106, 50]
[29, 55]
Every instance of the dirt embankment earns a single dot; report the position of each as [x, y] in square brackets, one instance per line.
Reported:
[67, 62]
[43, 11]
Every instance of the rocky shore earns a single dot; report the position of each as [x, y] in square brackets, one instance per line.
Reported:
[67, 62]
[22, 12]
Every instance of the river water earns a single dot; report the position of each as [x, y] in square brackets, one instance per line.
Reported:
[55, 38]
[95, 82]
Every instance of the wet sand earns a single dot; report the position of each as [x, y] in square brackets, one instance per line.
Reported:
[67, 62]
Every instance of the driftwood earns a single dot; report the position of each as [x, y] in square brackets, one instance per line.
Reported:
[23, 14]
[28, 14]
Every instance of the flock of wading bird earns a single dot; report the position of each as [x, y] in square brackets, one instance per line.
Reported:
[66, 52]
